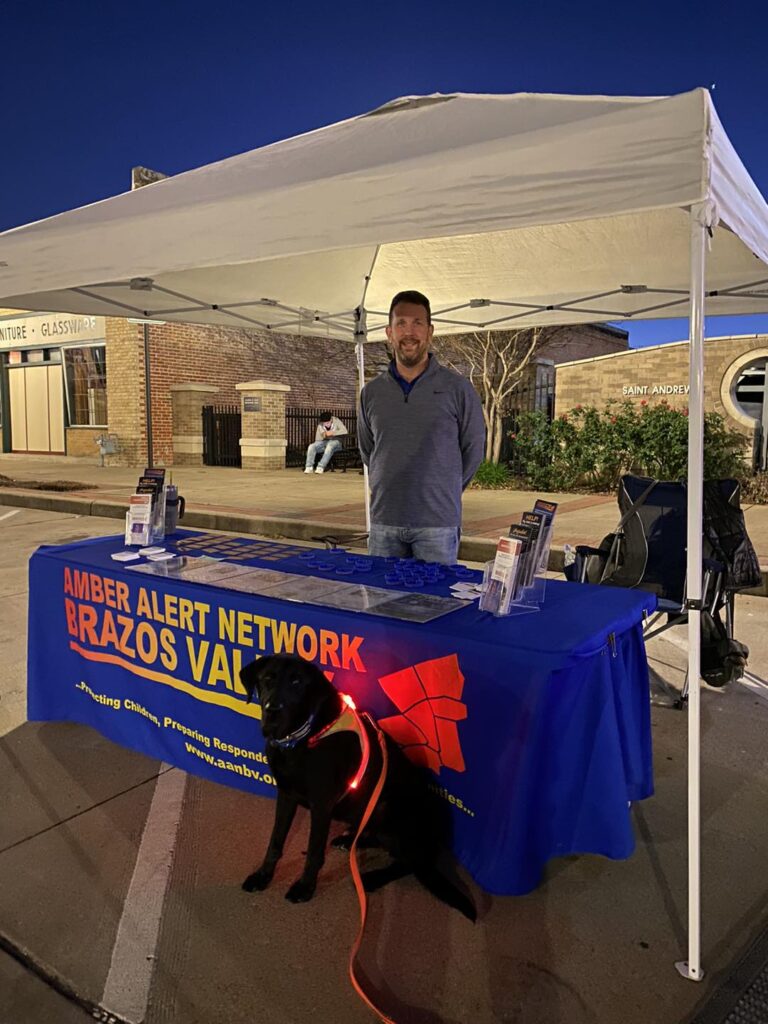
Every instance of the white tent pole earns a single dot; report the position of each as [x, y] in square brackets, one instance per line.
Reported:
[692, 967]
[361, 332]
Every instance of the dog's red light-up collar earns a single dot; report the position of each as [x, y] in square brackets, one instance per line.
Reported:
[349, 720]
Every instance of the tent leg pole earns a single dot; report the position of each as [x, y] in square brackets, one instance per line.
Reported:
[361, 334]
[691, 968]
[148, 399]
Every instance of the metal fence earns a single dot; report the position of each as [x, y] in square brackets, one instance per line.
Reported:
[221, 435]
[539, 397]
[222, 427]
[301, 425]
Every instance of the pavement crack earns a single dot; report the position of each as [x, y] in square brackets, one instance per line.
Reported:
[54, 981]
[85, 810]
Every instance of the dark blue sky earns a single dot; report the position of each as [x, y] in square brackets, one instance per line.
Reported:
[90, 89]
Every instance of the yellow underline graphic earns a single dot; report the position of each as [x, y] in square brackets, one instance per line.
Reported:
[224, 700]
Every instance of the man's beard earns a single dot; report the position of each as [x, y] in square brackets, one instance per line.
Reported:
[411, 359]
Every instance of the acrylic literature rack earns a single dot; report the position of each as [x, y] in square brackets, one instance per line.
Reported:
[514, 582]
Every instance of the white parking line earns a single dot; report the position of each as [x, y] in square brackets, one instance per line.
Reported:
[126, 990]
[8, 515]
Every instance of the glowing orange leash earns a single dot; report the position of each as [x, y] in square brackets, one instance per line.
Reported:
[353, 866]
[351, 720]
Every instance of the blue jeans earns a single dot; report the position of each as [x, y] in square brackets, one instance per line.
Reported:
[327, 447]
[429, 543]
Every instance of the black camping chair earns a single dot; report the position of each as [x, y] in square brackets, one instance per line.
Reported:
[647, 550]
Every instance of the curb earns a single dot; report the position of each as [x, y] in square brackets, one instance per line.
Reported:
[471, 549]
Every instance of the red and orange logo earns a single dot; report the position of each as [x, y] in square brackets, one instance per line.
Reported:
[428, 697]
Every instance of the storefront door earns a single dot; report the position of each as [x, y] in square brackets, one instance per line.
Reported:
[36, 408]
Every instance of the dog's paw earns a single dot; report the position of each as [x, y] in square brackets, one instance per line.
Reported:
[301, 892]
[258, 881]
[343, 842]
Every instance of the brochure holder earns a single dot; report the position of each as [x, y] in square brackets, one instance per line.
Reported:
[145, 525]
[514, 582]
[158, 518]
[510, 595]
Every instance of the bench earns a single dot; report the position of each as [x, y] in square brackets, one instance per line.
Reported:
[346, 456]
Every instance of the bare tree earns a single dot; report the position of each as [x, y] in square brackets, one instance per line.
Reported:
[496, 363]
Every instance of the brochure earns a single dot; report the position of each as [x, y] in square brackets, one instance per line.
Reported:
[527, 569]
[548, 509]
[191, 563]
[352, 597]
[211, 571]
[501, 577]
[539, 523]
[418, 607]
[307, 589]
[254, 581]
[168, 568]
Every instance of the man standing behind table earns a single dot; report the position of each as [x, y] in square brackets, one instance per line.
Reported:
[422, 435]
[328, 429]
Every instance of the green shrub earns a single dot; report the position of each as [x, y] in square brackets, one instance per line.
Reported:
[755, 490]
[590, 450]
[492, 476]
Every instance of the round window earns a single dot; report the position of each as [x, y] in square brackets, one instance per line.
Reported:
[749, 389]
[742, 389]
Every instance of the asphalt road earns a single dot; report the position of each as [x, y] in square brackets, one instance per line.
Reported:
[121, 876]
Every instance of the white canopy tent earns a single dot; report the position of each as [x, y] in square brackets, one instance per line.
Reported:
[508, 211]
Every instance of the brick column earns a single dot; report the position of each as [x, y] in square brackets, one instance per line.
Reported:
[263, 443]
[126, 414]
[187, 402]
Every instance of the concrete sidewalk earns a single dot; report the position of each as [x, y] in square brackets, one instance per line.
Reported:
[290, 503]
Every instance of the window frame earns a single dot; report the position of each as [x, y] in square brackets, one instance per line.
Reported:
[69, 348]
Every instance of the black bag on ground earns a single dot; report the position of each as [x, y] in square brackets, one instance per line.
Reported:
[722, 660]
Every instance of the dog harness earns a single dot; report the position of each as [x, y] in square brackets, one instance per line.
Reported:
[349, 720]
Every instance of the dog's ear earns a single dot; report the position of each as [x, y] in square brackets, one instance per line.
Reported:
[250, 676]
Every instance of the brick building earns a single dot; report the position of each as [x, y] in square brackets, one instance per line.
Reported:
[734, 382]
[67, 380]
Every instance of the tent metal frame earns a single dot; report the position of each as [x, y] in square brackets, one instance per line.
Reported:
[347, 322]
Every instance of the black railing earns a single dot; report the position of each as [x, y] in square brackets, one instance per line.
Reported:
[301, 425]
[540, 397]
[221, 435]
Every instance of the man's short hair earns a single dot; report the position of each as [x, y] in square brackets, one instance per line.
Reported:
[416, 298]
[324, 417]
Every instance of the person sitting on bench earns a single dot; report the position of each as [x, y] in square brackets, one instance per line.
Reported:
[328, 429]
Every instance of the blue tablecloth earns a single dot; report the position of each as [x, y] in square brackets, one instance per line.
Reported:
[537, 727]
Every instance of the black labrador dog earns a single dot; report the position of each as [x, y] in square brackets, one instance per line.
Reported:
[410, 822]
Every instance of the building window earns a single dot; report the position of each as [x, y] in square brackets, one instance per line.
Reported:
[750, 389]
[85, 371]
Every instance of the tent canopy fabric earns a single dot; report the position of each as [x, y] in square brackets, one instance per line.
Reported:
[507, 211]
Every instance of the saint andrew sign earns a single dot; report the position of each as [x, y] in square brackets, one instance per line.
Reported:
[630, 390]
